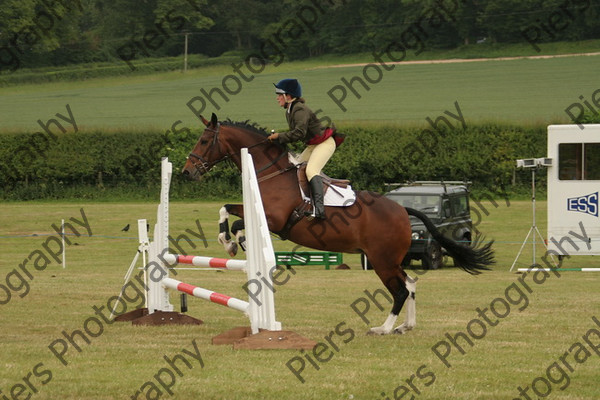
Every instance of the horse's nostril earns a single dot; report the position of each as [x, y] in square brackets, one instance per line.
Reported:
[186, 172]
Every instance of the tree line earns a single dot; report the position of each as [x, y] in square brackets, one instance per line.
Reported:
[36, 33]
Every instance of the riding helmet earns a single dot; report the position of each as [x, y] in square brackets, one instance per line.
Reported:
[289, 86]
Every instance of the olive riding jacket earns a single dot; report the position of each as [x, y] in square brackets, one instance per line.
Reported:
[303, 123]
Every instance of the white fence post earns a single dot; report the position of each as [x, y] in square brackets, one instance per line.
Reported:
[158, 297]
[259, 252]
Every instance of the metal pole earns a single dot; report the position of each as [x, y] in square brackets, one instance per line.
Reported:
[62, 234]
[533, 229]
[185, 53]
[533, 205]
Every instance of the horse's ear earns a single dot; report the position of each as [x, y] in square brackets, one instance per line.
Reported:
[204, 121]
[214, 120]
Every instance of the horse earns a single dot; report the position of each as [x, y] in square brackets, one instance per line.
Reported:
[356, 228]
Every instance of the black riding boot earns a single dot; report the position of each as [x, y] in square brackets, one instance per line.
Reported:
[316, 188]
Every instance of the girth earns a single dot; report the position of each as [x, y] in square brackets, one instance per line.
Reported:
[296, 216]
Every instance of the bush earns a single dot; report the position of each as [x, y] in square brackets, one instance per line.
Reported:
[588, 118]
[126, 164]
[484, 154]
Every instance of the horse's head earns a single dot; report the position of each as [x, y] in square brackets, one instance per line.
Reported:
[220, 142]
[207, 152]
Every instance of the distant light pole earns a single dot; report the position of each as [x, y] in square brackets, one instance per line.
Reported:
[185, 52]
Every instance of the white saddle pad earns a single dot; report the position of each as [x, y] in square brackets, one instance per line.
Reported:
[336, 196]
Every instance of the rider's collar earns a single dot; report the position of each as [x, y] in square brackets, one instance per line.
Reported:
[290, 105]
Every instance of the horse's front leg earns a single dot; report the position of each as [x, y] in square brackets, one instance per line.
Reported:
[237, 228]
[224, 238]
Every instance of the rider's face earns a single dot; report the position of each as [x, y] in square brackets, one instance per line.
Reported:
[281, 100]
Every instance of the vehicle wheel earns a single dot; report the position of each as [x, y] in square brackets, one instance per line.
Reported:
[364, 262]
[433, 257]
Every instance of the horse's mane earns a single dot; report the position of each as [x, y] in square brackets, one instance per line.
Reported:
[252, 127]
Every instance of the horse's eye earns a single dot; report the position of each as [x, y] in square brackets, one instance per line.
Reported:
[203, 141]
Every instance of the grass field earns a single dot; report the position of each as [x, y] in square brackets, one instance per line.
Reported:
[543, 325]
[538, 342]
[518, 91]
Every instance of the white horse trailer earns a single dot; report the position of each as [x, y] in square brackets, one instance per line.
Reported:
[573, 186]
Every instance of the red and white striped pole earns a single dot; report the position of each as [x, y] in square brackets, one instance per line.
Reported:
[206, 294]
[212, 262]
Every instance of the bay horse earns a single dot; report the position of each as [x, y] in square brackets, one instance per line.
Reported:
[357, 228]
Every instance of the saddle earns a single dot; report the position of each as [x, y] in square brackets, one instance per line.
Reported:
[328, 182]
[336, 192]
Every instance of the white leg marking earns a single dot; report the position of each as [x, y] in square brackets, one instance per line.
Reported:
[411, 311]
[229, 245]
[386, 328]
[223, 215]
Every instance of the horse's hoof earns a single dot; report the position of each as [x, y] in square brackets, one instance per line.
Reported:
[233, 249]
[401, 330]
[375, 332]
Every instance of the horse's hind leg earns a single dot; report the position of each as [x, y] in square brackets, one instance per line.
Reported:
[402, 287]
[411, 311]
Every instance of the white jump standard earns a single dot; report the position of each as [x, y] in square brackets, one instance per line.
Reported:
[264, 331]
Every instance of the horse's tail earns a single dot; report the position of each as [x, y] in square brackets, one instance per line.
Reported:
[470, 258]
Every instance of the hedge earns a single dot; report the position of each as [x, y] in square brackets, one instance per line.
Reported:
[126, 164]
[108, 69]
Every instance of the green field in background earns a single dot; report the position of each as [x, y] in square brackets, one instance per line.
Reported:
[518, 91]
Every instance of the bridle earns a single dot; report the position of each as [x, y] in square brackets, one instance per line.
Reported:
[202, 165]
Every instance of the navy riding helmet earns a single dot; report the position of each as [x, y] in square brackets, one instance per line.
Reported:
[289, 86]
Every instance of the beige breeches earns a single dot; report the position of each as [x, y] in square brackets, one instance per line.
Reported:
[317, 156]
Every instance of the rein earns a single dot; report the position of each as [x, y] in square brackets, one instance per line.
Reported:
[278, 172]
[273, 162]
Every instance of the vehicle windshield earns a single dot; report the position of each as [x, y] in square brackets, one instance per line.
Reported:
[429, 204]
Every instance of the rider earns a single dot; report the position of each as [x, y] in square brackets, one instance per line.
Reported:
[304, 126]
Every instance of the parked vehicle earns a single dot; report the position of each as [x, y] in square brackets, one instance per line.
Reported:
[447, 205]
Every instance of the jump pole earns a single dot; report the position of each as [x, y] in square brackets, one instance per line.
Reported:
[210, 262]
[208, 295]
[264, 331]
[559, 269]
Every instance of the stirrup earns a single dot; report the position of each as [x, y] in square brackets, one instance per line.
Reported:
[310, 215]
